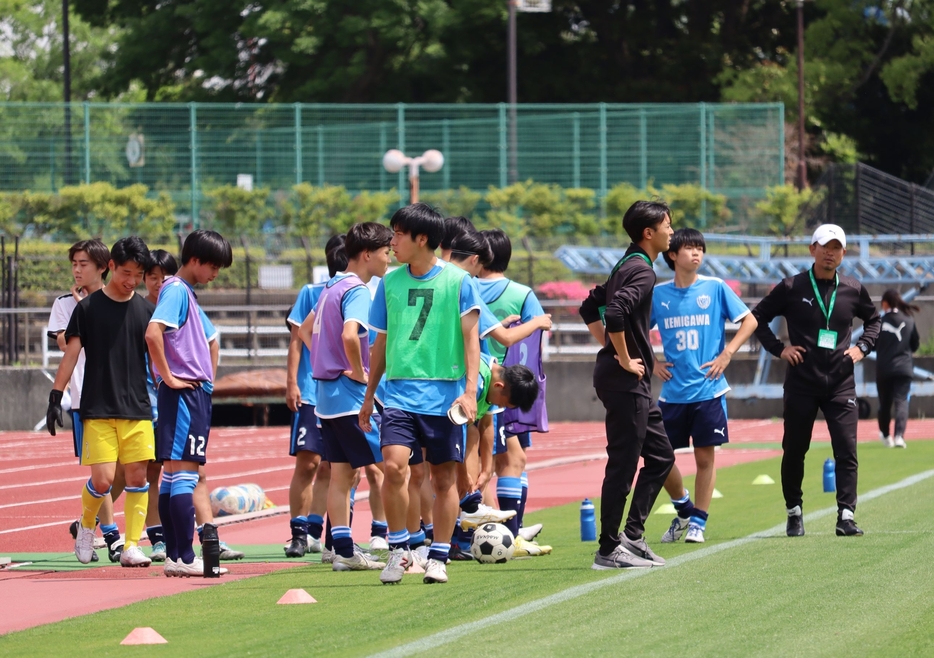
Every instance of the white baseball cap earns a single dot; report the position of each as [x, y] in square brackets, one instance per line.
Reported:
[827, 232]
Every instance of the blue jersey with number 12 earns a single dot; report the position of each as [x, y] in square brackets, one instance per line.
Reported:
[691, 323]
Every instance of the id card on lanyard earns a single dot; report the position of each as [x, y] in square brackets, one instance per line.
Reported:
[826, 339]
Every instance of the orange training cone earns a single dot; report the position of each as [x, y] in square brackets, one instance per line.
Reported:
[144, 635]
[296, 596]
[415, 568]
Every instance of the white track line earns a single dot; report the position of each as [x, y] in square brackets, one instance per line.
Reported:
[432, 642]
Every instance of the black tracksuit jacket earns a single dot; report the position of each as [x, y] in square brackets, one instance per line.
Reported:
[823, 372]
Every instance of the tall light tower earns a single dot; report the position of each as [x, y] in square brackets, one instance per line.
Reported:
[431, 161]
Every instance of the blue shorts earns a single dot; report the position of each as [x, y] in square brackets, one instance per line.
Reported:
[77, 432]
[500, 435]
[443, 440]
[306, 432]
[704, 422]
[184, 424]
[345, 442]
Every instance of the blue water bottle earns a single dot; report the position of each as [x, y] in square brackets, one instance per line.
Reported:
[830, 477]
[588, 521]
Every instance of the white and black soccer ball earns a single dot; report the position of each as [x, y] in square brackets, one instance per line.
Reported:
[493, 543]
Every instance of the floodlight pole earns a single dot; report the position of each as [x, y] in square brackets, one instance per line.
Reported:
[66, 75]
[394, 160]
[802, 173]
[512, 92]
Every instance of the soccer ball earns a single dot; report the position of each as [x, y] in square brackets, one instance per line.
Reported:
[493, 543]
[238, 499]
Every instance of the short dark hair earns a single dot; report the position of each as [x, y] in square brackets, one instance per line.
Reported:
[642, 215]
[523, 387]
[130, 249]
[96, 250]
[470, 243]
[500, 249]
[163, 260]
[419, 219]
[454, 226]
[367, 236]
[684, 237]
[335, 254]
[208, 247]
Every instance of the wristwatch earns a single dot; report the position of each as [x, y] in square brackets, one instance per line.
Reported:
[864, 348]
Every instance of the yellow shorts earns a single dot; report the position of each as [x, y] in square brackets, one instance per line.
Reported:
[108, 440]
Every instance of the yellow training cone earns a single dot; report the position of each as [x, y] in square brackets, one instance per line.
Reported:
[666, 509]
[763, 479]
[716, 494]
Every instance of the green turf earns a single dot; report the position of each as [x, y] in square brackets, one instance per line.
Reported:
[816, 595]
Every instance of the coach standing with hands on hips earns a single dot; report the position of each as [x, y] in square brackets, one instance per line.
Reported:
[819, 306]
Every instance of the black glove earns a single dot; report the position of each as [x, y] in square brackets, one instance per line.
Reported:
[54, 413]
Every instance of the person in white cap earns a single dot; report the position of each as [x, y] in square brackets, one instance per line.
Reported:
[819, 306]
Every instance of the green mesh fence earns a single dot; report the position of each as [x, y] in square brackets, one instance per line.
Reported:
[735, 150]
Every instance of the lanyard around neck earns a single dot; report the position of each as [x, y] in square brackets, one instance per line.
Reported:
[827, 311]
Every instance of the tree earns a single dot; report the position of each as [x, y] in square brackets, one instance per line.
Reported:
[31, 52]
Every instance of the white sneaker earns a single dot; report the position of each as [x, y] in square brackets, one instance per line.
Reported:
[358, 562]
[399, 560]
[134, 557]
[695, 534]
[485, 514]
[675, 530]
[435, 572]
[379, 544]
[420, 555]
[158, 552]
[314, 545]
[170, 570]
[84, 544]
[899, 442]
[530, 532]
[887, 440]
[196, 568]
[327, 556]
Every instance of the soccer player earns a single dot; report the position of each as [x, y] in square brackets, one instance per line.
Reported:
[690, 311]
[634, 426]
[340, 357]
[89, 268]
[110, 325]
[819, 307]
[506, 298]
[428, 345]
[894, 368]
[181, 356]
[307, 495]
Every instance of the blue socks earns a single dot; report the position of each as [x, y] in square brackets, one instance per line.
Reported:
[509, 494]
[379, 529]
[165, 515]
[524, 499]
[182, 509]
[315, 525]
[683, 505]
[416, 539]
[343, 541]
[439, 551]
[399, 539]
[471, 501]
[699, 518]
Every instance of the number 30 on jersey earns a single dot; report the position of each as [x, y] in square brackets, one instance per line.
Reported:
[687, 339]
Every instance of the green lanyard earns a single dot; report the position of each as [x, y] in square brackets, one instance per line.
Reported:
[820, 299]
[622, 260]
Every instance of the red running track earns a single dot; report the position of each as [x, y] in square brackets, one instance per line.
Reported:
[40, 483]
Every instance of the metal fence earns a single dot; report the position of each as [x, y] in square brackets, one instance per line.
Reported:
[862, 199]
[186, 149]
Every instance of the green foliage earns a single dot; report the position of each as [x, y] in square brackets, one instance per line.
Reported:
[320, 212]
[841, 148]
[541, 210]
[781, 208]
[86, 211]
[31, 56]
[691, 205]
[239, 212]
[461, 202]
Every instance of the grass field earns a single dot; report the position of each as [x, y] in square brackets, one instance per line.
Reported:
[748, 591]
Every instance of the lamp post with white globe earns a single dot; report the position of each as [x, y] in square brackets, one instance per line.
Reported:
[431, 161]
